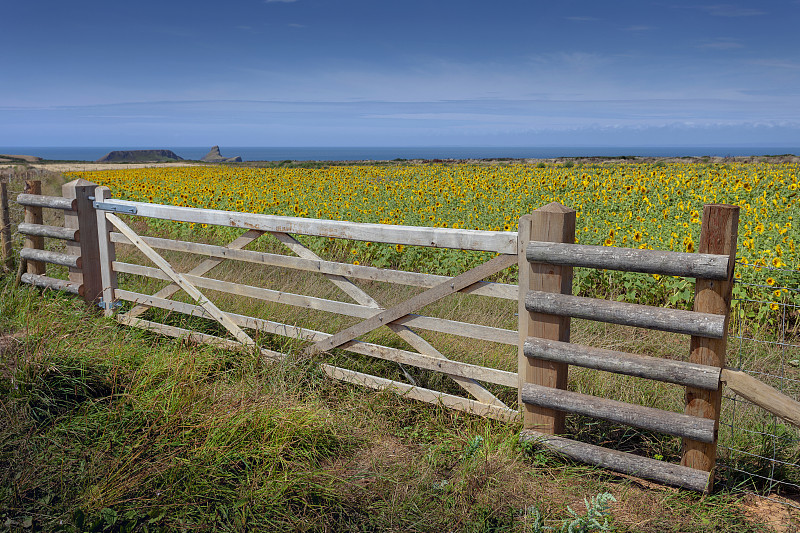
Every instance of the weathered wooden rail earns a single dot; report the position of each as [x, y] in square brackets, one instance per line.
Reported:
[545, 252]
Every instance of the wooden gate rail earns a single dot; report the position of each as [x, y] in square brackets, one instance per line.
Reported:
[400, 319]
[543, 248]
[549, 302]
[368, 273]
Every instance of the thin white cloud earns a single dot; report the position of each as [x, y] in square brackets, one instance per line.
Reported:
[728, 10]
[722, 44]
[778, 63]
[639, 28]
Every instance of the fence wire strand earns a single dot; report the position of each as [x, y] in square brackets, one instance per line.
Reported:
[758, 451]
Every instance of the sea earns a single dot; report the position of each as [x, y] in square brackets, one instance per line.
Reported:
[340, 153]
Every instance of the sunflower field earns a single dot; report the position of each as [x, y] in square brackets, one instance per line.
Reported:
[629, 204]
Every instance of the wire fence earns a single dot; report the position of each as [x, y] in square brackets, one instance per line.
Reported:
[759, 453]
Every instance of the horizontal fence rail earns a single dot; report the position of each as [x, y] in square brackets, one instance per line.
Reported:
[502, 242]
[667, 422]
[53, 202]
[634, 465]
[626, 314]
[53, 232]
[691, 265]
[642, 366]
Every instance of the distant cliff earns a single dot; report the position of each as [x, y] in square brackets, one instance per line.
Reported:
[214, 156]
[140, 156]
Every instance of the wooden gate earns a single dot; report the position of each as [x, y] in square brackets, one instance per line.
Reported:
[545, 252]
[399, 318]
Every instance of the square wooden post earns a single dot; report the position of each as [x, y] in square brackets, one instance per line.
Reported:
[33, 215]
[107, 255]
[86, 246]
[718, 235]
[551, 223]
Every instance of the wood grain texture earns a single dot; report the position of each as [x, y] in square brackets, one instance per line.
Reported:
[45, 282]
[32, 199]
[425, 395]
[551, 223]
[642, 366]
[401, 277]
[677, 424]
[643, 316]
[45, 256]
[181, 281]
[634, 465]
[33, 216]
[718, 235]
[84, 218]
[53, 232]
[106, 254]
[665, 263]
[763, 395]
[502, 242]
[421, 300]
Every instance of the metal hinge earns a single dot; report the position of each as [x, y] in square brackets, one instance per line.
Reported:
[114, 208]
[102, 304]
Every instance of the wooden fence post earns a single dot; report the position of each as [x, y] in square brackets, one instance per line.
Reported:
[718, 235]
[87, 248]
[5, 229]
[551, 223]
[107, 255]
[33, 215]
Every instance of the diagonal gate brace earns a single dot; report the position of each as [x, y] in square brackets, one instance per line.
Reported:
[384, 318]
[179, 280]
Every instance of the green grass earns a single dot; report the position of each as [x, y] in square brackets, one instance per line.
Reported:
[107, 428]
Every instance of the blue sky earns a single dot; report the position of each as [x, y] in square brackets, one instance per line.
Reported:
[391, 73]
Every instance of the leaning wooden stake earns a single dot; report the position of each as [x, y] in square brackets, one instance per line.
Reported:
[33, 215]
[551, 223]
[717, 236]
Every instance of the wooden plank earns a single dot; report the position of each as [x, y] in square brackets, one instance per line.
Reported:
[46, 282]
[643, 316]
[555, 223]
[418, 393]
[421, 300]
[193, 336]
[411, 337]
[502, 242]
[453, 327]
[33, 215]
[5, 229]
[626, 463]
[677, 424]
[53, 232]
[106, 255]
[85, 219]
[762, 395]
[428, 362]
[179, 280]
[683, 264]
[46, 256]
[642, 366]
[31, 199]
[203, 268]
[401, 277]
[718, 235]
